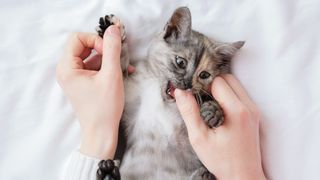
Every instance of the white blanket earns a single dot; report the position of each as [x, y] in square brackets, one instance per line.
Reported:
[279, 66]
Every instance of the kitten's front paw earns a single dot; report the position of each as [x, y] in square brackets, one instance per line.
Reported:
[108, 20]
[211, 113]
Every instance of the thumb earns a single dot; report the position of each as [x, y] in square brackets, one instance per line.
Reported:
[111, 50]
[189, 111]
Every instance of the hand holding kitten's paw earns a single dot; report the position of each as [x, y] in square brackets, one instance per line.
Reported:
[211, 113]
[94, 89]
[104, 23]
[231, 151]
[108, 20]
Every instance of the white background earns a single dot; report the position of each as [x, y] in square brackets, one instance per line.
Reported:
[279, 66]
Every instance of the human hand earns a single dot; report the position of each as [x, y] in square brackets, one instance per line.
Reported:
[231, 151]
[94, 88]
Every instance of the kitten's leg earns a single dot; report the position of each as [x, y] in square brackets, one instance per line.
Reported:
[104, 23]
[211, 113]
[202, 174]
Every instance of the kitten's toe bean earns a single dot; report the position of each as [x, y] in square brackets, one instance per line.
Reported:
[106, 21]
[211, 113]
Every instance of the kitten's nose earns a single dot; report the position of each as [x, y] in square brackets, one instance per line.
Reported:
[187, 84]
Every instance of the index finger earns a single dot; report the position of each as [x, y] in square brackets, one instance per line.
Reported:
[79, 47]
[224, 94]
[189, 111]
[239, 91]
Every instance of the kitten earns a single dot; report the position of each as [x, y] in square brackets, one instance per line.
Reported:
[179, 57]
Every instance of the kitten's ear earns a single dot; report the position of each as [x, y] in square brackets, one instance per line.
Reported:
[238, 44]
[178, 28]
[225, 52]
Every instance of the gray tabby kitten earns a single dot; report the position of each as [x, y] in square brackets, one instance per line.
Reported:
[179, 57]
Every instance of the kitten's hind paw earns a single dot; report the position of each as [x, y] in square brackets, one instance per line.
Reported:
[108, 20]
[212, 113]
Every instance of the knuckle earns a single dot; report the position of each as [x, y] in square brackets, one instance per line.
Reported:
[61, 75]
[196, 139]
[243, 114]
[256, 115]
[73, 35]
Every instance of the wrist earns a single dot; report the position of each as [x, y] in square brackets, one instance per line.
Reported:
[99, 143]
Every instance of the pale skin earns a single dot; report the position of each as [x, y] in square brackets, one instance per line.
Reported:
[95, 91]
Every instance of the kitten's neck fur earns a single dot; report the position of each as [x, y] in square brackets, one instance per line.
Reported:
[156, 130]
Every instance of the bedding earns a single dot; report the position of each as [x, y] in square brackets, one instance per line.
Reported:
[278, 66]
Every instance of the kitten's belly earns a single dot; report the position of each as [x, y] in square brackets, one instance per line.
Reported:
[158, 146]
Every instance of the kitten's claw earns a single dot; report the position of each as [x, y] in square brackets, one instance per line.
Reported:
[212, 113]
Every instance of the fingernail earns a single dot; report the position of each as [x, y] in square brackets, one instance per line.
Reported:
[113, 30]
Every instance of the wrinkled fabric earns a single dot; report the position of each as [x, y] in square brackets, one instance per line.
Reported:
[278, 66]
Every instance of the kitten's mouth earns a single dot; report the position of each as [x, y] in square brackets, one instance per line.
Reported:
[170, 90]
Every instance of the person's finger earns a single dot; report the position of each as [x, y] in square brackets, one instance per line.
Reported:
[111, 50]
[223, 93]
[189, 111]
[79, 47]
[239, 91]
[93, 63]
[81, 41]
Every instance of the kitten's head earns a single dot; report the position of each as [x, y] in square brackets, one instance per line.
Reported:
[186, 59]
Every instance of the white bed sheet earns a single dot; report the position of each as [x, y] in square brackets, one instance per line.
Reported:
[279, 67]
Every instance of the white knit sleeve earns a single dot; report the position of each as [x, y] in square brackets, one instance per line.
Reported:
[81, 167]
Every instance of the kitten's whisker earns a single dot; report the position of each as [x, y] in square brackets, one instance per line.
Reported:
[196, 96]
[207, 93]
[200, 99]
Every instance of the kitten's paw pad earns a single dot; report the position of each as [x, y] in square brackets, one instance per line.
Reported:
[108, 20]
[212, 113]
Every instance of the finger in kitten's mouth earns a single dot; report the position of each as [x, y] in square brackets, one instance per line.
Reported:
[170, 90]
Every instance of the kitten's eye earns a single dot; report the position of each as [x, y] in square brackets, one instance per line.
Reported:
[182, 63]
[204, 75]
